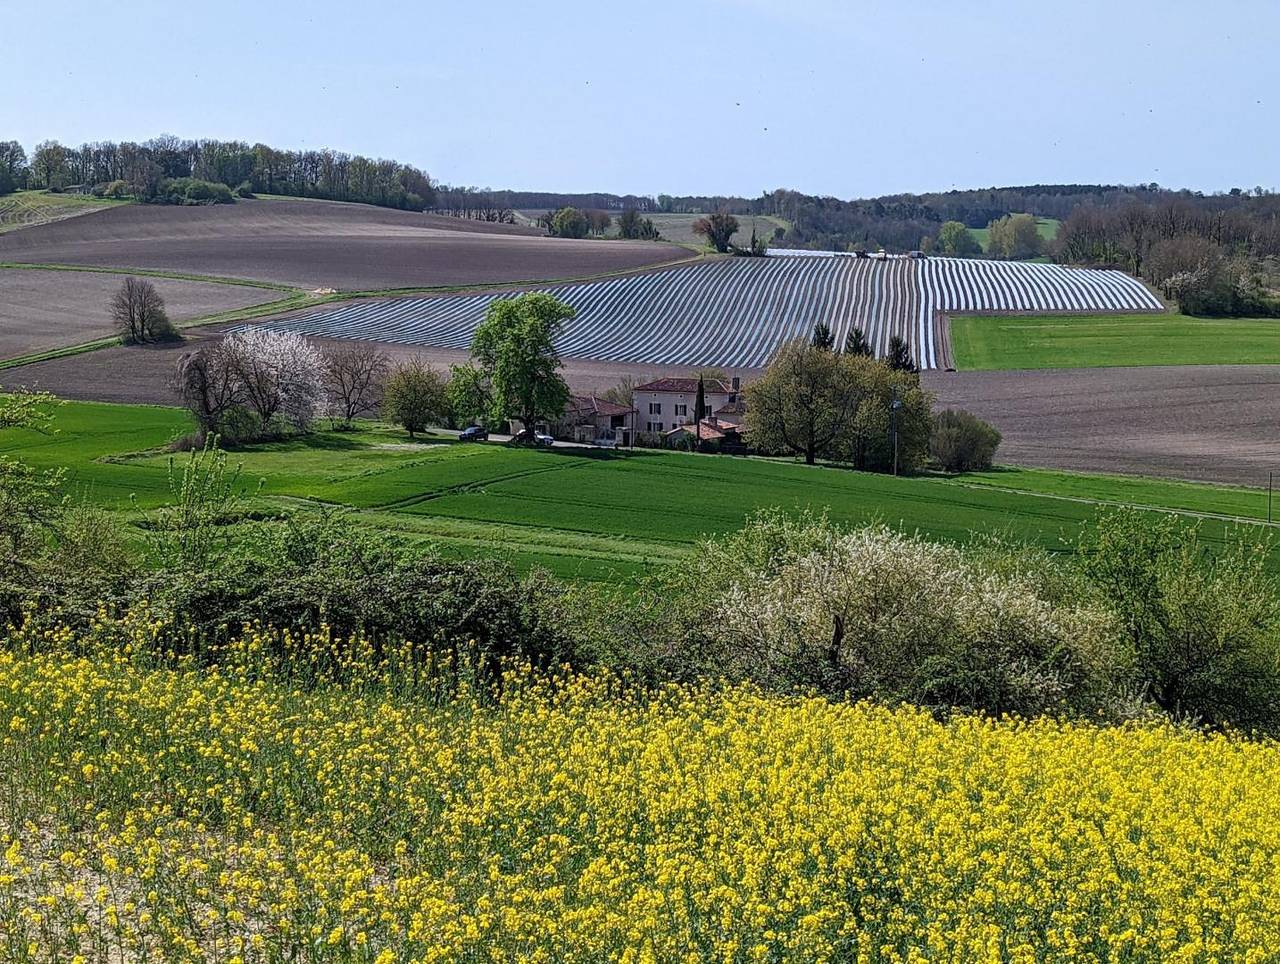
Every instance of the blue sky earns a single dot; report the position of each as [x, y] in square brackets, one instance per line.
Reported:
[690, 97]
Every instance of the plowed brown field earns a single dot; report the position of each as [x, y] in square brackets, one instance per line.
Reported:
[311, 244]
[1211, 423]
[50, 309]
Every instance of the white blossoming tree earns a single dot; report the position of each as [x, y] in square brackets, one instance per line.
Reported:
[281, 376]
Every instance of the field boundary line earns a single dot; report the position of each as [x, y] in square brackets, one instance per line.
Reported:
[247, 313]
[391, 294]
[149, 273]
[462, 488]
[580, 543]
[1117, 504]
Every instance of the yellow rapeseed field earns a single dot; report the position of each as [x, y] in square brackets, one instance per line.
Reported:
[153, 808]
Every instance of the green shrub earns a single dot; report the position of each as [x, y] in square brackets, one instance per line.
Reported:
[191, 190]
[962, 442]
[569, 223]
[317, 570]
[1203, 622]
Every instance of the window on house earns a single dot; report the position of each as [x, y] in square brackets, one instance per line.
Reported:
[682, 409]
[655, 408]
[655, 426]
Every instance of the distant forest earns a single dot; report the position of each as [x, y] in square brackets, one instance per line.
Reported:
[171, 169]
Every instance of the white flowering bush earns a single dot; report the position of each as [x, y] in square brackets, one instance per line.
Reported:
[874, 612]
[281, 376]
[798, 604]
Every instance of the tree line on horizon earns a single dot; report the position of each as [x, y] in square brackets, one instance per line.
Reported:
[150, 170]
[907, 222]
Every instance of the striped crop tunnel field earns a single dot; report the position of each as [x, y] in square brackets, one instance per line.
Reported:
[735, 312]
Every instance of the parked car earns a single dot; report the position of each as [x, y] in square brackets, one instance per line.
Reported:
[525, 437]
[473, 433]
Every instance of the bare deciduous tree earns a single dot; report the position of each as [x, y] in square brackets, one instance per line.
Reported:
[354, 377]
[207, 383]
[717, 228]
[623, 393]
[599, 222]
[138, 312]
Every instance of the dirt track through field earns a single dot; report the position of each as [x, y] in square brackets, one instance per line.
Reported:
[312, 244]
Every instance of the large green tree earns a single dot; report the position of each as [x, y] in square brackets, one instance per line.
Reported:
[803, 403]
[955, 239]
[515, 347]
[414, 397]
[468, 395]
[13, 166]
[49, 166]
[1013, 237]
[569, 223]
[869, 440]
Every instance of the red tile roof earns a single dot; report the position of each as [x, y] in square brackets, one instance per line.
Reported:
[688, 386]
[596, 406]
[708, 434]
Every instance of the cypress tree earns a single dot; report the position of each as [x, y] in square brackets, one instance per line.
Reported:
[899, 358]
[857, 344]
[698, 407]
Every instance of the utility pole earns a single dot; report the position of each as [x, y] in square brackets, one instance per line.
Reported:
[1270, 476]
[893, 421]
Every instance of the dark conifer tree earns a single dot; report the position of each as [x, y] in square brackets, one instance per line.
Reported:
[856, 343]
[899, 357]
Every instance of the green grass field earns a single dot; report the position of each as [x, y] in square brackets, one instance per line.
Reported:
[23, 209]
[1048, 228]
[582, 513]
[1103, 341]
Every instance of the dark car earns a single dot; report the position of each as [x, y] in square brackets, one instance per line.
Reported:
[474, 433]
[525, 437]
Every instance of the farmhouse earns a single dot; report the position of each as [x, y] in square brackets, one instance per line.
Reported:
[668, 403]
[588, 418]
